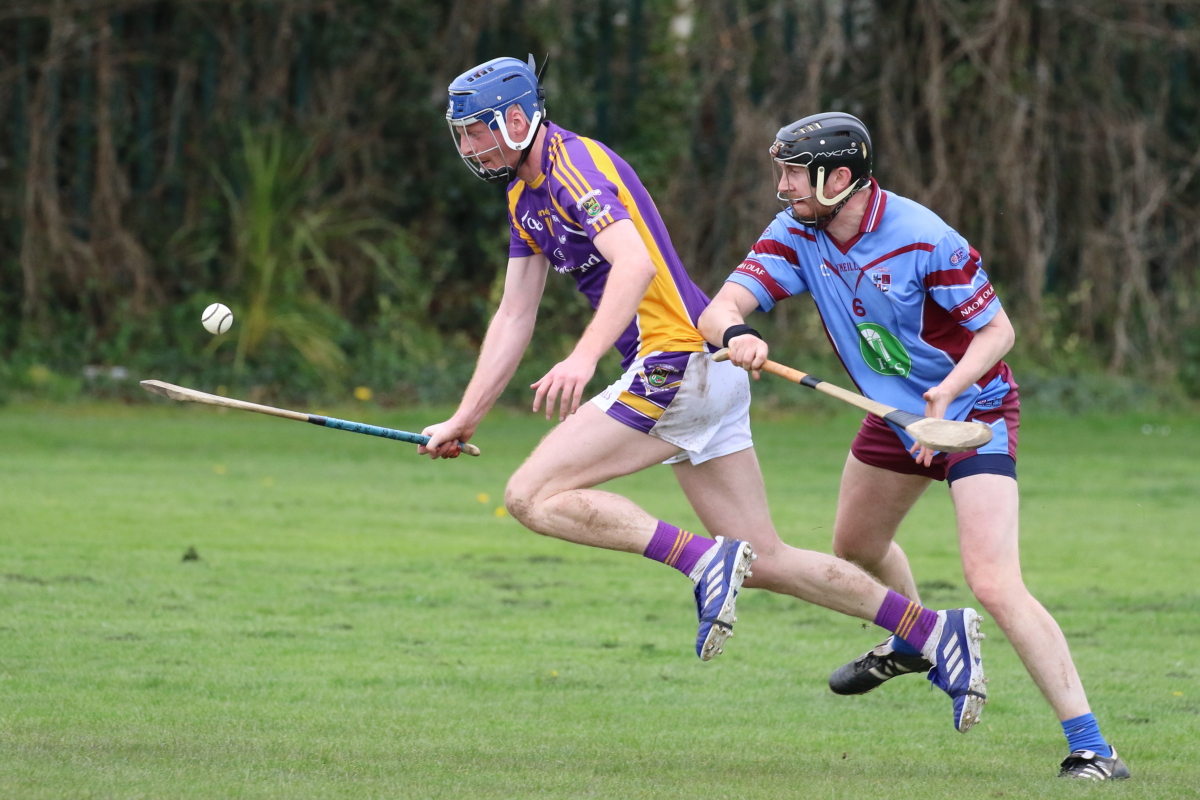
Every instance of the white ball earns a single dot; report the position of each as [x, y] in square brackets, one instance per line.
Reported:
[217, 318]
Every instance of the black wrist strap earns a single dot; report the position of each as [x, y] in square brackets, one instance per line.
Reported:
[738, 330]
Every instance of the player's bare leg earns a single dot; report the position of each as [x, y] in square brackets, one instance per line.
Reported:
[728, 495]
[551, 493]
[987, 510]
[872, 502]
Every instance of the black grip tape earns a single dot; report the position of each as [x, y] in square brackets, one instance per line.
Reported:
[316, 420]
[810, 381]
[902, 418]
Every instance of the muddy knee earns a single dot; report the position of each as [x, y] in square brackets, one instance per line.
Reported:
[520, 500]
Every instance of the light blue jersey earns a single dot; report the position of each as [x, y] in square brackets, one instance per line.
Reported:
[899, 301]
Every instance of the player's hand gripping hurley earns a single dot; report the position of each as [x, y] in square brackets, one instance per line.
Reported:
[192, 396]
[949, 436]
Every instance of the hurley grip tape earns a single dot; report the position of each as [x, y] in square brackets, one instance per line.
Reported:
[902, 418]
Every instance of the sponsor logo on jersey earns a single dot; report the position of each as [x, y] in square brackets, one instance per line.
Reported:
[754, 269]
[763, 278]
[563, 269]
[528, 221]
[976, 304]
[991, 402]
[882, 351]
[882, 278]
[846, 266]
[957, 257]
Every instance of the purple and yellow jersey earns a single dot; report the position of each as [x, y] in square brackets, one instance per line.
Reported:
[899, 301]
[585, 187]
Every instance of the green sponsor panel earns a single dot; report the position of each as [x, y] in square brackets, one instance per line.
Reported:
[882, 351]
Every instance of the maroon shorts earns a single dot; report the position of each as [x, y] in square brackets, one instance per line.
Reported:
[879, 446]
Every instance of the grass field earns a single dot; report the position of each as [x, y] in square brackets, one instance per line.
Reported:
[362, 623]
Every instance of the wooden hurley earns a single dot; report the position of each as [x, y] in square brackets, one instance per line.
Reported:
[192, 396]
[946, 435]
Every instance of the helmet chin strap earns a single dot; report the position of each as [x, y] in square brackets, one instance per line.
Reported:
[840, 197]
[838, 201]
[534, 124]
[529, 144]
[506, 173]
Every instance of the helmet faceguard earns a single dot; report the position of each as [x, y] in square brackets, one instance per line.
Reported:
[474, 158]
[820, 144]
[484, 94]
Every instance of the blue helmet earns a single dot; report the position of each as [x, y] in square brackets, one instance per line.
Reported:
[484, 94]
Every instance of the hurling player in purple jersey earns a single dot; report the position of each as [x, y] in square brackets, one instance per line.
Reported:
[576, 207]
[917, 325]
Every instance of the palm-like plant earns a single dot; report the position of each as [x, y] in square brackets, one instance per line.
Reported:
[283, 230]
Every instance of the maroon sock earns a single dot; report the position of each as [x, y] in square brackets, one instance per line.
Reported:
[677, 548]
[910, 621]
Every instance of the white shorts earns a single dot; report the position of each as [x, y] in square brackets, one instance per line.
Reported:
[700, 406]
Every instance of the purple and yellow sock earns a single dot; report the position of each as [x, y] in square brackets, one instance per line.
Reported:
[910, 621]
[677, 548]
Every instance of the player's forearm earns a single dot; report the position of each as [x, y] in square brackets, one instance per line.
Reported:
[728, 308]
[717, 319]
[990, 344]
[628, 280]
[507, 337]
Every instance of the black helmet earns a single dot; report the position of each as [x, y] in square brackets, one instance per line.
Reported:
[822, 143]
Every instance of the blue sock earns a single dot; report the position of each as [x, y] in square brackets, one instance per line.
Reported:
[1083, 733]
[904, 648]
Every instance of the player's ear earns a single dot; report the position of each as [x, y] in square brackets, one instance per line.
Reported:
[518, 126]
[839, 180]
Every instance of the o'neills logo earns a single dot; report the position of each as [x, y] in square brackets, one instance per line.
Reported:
[969, 308]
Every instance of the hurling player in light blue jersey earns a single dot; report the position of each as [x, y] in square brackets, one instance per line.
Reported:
[918, 326]
[576, 208]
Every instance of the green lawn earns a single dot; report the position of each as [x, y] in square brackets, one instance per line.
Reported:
[362, 623]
